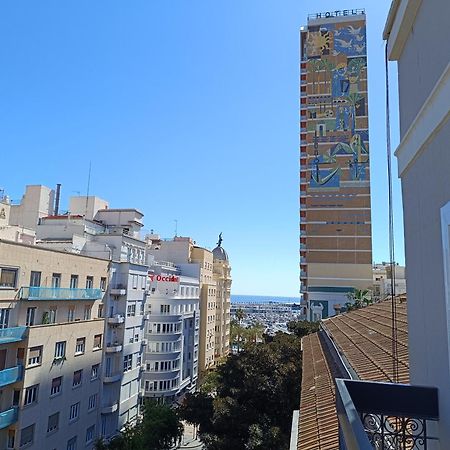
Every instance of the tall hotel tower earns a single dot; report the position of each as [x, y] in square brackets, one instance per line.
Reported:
[335, 224]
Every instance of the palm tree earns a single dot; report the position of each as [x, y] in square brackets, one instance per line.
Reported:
[359, 298]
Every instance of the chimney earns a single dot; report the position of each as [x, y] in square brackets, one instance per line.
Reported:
[58, 193]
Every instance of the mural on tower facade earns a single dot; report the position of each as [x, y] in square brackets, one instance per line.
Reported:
[337, 104]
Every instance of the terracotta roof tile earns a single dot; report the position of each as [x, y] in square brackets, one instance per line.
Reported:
[364, 337]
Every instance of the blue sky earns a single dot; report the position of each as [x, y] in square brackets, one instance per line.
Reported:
[188, 110]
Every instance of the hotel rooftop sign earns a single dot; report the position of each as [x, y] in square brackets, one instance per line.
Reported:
[337, 13]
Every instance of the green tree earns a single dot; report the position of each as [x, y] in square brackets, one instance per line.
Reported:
[159, 429]
[257, 391]
[358, 299]
[302, 327]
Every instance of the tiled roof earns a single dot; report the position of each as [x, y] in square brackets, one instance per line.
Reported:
[318, 425]
[363, 337]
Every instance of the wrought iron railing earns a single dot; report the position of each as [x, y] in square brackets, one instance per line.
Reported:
[57, 293]
[385, 416]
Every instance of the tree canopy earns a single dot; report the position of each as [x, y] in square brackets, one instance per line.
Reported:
[256, 392]
[159, 429]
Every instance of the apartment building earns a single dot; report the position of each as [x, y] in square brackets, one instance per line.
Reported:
[113, 235]
[199, 263]
[222, 277]
[51, 347]
[382, 280]
[18, 220]
[172, 332]
[335, 208]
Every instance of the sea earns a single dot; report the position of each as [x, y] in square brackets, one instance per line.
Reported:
[263, 299]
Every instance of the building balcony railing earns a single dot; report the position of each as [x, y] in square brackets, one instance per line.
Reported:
[385, 416]
[116, 319]
[112, 377]
[114, 347]
[303, 288]
[11, 375]
[13, 334]
[302, 274]
[110, 407]
[57, 293]
[303, 154]
[8, 417]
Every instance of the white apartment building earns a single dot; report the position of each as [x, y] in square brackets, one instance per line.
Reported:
[171, 331]
[51, 345]
[382, 280]
[113, 235]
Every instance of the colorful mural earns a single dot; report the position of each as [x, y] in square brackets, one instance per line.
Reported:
[337, 104]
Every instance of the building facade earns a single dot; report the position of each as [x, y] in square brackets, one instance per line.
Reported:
[113, 235]
[418, 39]
[222, 277]
[51, 346]
[172, 333]
[335, 211]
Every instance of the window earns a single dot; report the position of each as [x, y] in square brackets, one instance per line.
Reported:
[103, 283]
[139, 361]
[4, 318]
[8, 277]
[35, 356]
[11, 438]
[60, 349]
[27, 435]
[136, 337]
[31, 313]
[53, 422]
[35, 279]
[31, 394]
[56, 280]
[77, 378]
[71, 314]
[127, 363]
[90, 434]
[92, 402]
[72, 443]
[56, 386]
[131, 310]
[165, 309]
[80, 345]
[100, 310]
[51, 315]
[135, 281]
[89, 282]
[74, 411]
[87, 312]
[97, 341]
[94, 371]
[73, 281]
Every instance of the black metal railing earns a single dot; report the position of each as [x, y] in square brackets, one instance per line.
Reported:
[385, 416]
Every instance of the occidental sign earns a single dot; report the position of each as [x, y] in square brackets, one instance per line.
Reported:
[169, 278]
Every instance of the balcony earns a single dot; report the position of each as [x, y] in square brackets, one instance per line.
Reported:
[8, 417]
[57, 293]
[116, 319]
[303, 274]
[110, 408]
[303, 288]
[114, 348]
[385, 416]
[118, 290]
[10, 376]
[303, 154]
[112, 378]
[14, 334]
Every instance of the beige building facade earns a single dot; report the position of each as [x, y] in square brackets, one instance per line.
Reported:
[51, 347]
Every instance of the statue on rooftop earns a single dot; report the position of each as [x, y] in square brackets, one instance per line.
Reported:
[220, 240]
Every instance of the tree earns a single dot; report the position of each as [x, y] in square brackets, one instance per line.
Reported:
[302, 327]
[159, 429]
[256, 393]
[358, 299]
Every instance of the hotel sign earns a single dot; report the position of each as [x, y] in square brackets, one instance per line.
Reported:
[337, 13]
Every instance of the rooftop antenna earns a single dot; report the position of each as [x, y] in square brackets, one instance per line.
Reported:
[176, 227]
[87, 190]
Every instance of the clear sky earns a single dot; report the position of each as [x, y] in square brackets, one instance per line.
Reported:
[188, 110]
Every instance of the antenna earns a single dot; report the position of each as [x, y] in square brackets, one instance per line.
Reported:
[176, 227]
[87, 190]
